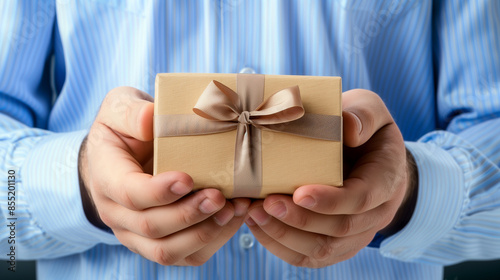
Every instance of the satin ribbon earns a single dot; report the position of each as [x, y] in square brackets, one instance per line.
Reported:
[220, 109]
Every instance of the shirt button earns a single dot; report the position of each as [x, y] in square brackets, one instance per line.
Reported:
[247, 241]
[247, 70]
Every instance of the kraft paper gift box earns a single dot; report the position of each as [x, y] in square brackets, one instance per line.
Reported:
[249, 135]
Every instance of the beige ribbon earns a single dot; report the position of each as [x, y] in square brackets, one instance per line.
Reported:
[220, 109]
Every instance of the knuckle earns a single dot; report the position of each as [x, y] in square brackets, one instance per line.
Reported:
[118, 101]
[303, 221]
[159, 196]
[196, 260]
[279, 233]
[188, 217]
[306, 261]
[127, 112]
[323, 250]
[346, 226]
[163, 257]
[111, 99]
[301, 261]
[364, 203]
[127, 201]
[205, 236]
[148, 228]
[314, 263]
[332, 205]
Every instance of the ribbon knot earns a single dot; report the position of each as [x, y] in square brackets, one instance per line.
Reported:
[244, 118]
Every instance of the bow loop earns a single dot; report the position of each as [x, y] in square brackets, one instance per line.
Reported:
[281, 107]
[220, 103]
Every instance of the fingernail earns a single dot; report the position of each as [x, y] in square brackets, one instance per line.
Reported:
[207, 206]
[250, 222]
[223, 217]
[307, 202]
[179, 188]
[240, 209]
[278, 209]
[259, 216]
[358, 123]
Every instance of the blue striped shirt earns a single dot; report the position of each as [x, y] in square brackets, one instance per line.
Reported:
[435, 64]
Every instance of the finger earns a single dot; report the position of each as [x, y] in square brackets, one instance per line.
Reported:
[125, 120]
[203, 255]
[375, 179]
[364, 113]
[229, 230]
[158, 222]
[355, 198]
[283, 208]
[130, 187]
[240, 206]
[323, 251]
[288, 255]
[173, 248]
[129, 112]
[298, 240]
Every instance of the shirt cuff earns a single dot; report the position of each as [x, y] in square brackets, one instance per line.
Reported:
[50, 177]
[439, 203]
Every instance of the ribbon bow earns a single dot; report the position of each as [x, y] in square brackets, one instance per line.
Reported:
[220, 103]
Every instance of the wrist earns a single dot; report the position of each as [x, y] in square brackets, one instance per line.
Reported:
[405, 211]
[87, 201]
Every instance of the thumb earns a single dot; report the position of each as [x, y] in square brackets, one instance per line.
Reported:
[364, 113]
[128, 111]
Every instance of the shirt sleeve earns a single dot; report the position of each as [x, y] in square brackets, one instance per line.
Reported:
[458, 206]
[38, 167]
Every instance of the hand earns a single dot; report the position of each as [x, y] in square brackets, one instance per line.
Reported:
[154, 216]
[322, 225]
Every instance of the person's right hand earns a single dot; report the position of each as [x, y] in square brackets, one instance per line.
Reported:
[151, 215]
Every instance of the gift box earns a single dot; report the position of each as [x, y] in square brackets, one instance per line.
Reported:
[249, 135]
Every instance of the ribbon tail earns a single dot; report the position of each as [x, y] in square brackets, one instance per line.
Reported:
[247, 162]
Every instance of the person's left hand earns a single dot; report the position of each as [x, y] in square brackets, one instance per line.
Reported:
[322, 225]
